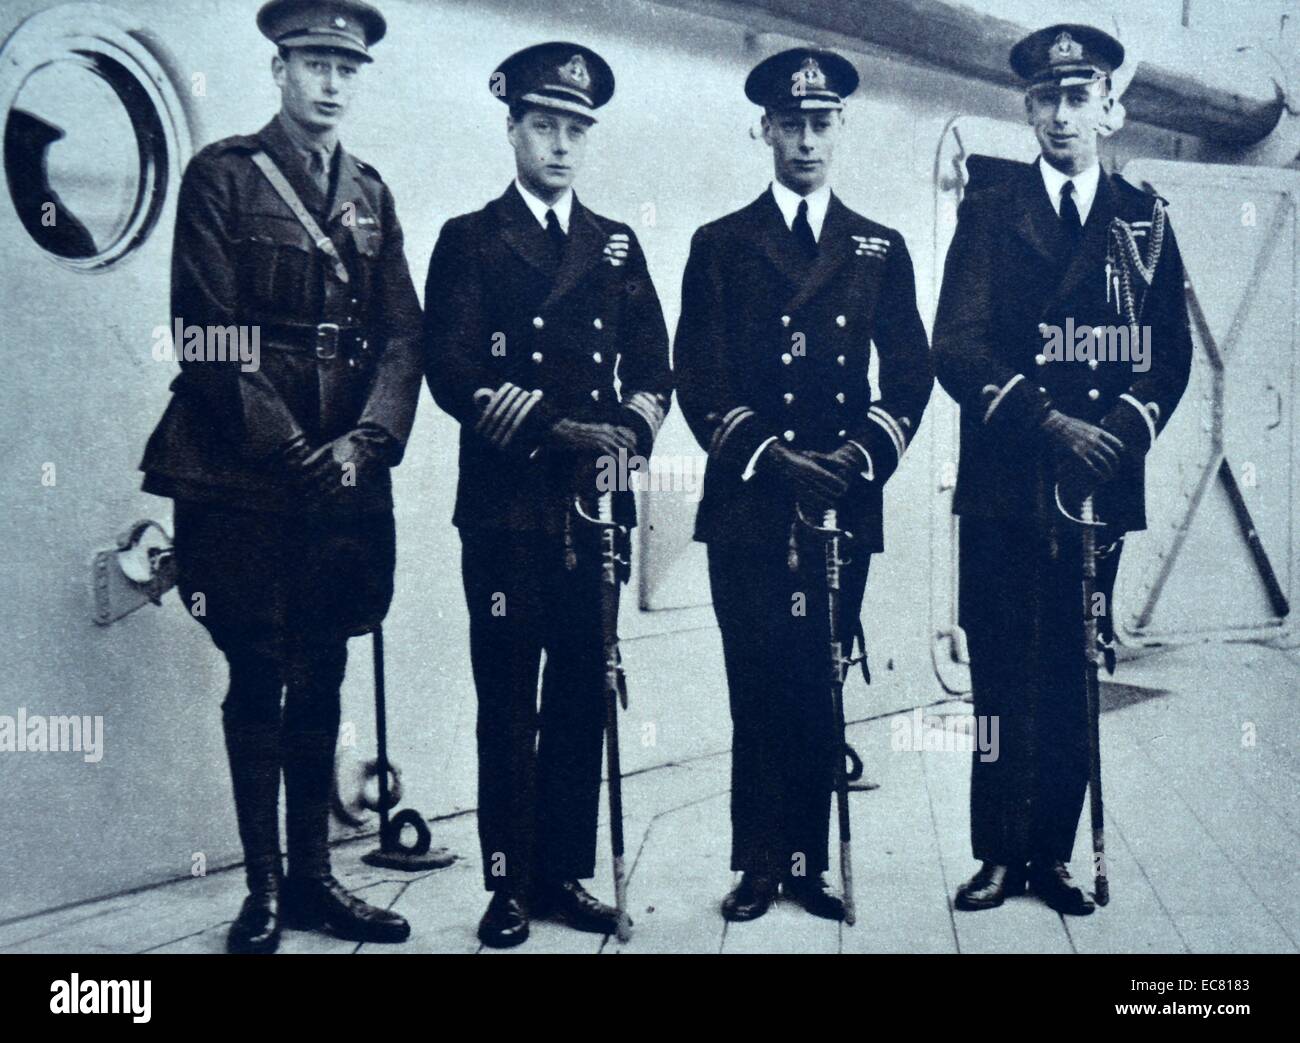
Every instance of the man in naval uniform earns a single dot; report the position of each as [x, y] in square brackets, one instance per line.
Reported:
[535, 305]
[279, 465]
[782, 302]
[1039, 250]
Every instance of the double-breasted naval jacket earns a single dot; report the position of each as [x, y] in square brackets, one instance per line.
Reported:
[1012, 282]
[772, 345]
[516, 338]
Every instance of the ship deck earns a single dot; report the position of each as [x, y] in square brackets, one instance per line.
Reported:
[1202, 832]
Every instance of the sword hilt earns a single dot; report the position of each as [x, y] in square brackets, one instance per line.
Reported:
[829, 523]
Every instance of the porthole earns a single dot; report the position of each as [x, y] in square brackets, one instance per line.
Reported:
[95, 133]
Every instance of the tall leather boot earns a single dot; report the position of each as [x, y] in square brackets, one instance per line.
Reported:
[312, 897]
[308, 785]
[254, 754]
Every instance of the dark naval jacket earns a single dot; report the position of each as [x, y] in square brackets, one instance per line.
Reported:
[1011, 281]
[773, 346]
[334, 354]
[517, 337]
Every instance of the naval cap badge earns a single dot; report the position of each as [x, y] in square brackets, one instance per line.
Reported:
[1066, 48]
[574, 73]
[812, 74]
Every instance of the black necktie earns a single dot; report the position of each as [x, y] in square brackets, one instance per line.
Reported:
[554, 230]
[1070, 213]
[803, 233]
[318, 170]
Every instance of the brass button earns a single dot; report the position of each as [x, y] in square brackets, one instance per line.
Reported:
[1042, 329]
[789, 397]
[788, 436]
[840, 359]
[840, 434]
[595, 394]
[840, 320]
[786, 358]
[538, 322]
[597, 357]
[598, 324]
[537, 356]
[1093, 363]
[1040, 360]
[1094, 394]
[785, 320]
[839, 397]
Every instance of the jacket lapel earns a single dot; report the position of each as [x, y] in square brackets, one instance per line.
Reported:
[1092, 245]
[521, 231]
[276, 142]
[347, 187]
[774, 240]
[833, 247]
[582, 250]
[1035, 219]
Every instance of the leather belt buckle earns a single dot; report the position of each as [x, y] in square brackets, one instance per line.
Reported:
[327, 340]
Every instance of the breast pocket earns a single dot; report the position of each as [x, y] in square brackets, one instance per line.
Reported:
[278, 259]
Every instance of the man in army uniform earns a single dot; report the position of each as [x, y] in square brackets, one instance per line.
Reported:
[1054, 245]
[533, 305]
[781, 304]
[280, 470]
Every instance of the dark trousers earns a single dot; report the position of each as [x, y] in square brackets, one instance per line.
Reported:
[776, 648]
[1022, 610]
[270, 605]
[538, 771]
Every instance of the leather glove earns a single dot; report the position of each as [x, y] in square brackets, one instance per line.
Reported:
[1083, 445]
[848, 462]
[324, 470]
[814, 485]
[595, 439]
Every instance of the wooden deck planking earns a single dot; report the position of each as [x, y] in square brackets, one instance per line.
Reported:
[1201, 834]
[1211, 905]
[1255, 856]
[902, 897]
[1023, 923]
[678, 874]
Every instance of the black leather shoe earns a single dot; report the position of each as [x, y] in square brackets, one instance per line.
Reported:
[505, 924]
[570, 902]
[750, 898]
[815, 895]
[989, 887]
[1051, 882]
[257, 927]
[315, 902]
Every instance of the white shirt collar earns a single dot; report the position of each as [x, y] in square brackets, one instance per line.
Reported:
[789, 202]
[563, 206]
[1085, 186]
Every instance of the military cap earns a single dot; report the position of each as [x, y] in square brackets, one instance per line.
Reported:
[342, 25]
[802, 78]
[1066, 55]
[558, 75]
